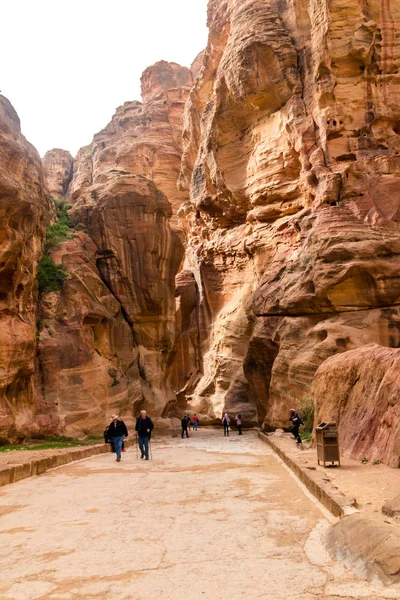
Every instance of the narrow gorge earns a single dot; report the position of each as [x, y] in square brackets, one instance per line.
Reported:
[230, 243]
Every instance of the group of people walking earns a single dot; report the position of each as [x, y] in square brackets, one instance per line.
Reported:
[117, 431]
[187, 423]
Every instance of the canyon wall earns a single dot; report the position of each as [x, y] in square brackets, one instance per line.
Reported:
[277, 256]
[109, 336]
[25, 210]
[291, 160]
[57, 168]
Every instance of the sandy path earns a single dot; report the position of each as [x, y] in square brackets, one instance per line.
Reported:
[208, 518]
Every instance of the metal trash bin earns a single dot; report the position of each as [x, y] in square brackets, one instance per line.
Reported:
[327, 443]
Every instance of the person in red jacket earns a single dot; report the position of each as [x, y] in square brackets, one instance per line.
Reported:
[195, 421]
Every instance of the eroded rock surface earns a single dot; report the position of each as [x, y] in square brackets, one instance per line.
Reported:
[118, 305]
[57, 167]
[375, 555]
[291, 162]
[88, 362]
[141, 139]
[360, 391]
[288, 209]
[25, 210]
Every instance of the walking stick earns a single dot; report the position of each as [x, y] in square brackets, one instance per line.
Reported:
[151, 453]
[137, 447]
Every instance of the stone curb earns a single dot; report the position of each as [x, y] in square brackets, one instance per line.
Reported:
[329, 495]
[37, 467]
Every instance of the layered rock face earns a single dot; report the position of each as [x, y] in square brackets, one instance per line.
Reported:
[86, 353]
[25, 210]
[360, 390]
[288, 210]
[57, 167]
[141, 139]
[291, 143]
[109, 337]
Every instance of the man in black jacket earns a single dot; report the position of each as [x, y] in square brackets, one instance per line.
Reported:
[184, 425]
[117, 431]
[144, 427]
[296, 422]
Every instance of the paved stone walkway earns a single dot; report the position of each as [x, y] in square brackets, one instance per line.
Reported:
[209, 518]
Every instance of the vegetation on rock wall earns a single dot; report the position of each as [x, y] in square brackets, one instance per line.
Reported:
[60, 231]
[50, 275]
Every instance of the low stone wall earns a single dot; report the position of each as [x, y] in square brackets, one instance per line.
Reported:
[329, 495]
[31, 468]
[369, 547]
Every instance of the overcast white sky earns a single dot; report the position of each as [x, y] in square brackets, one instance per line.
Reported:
[67, 65]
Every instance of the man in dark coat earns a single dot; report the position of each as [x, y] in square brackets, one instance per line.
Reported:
[144, 427]
[296, 422]
[117, 431]
[184, 424]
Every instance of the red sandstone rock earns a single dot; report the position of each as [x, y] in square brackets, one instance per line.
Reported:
[25, 209]
[360, 390]
[291, 162]
[138, 257]
[57, 167]
[122, 191]
[87, 357]
[82, 173]
[288, 203]
[141, 139]
[162, 77]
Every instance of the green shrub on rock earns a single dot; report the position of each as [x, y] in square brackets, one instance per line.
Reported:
[60, 231]
[50, 276]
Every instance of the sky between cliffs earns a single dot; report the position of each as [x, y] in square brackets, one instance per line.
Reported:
[66, 66]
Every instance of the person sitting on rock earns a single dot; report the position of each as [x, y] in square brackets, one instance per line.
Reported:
[296, 422]
[144, 427]
[117, 431]
[184, 424]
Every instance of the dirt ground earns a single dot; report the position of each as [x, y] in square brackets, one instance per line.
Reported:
[370, 485]
[209, 517]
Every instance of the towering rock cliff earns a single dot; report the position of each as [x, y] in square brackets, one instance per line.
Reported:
[109, 337]
[57, 167]
[279, 250]
[291, 142]
[25, 210]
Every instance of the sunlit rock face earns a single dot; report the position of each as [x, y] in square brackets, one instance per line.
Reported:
[25, 209]
[279, 249]
[57, 167]
[118, 304]
[142, 138]
[291, 160]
